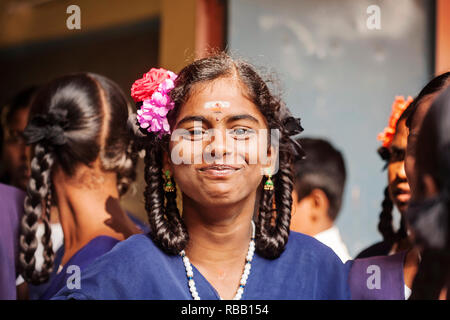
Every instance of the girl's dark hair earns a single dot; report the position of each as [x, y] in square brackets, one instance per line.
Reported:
[433, 158]
[385, 226]
[168, 230]
[434, 86]
[74, 120]
[323, 168]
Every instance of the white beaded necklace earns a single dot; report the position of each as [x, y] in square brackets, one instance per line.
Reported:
[244, 277]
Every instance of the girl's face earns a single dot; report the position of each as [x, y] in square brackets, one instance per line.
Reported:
[216, 136]
[398, 185]
[16, 154]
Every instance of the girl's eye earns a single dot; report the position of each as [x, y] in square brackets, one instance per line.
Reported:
[397, 155]
[195, 134]
[242, 133]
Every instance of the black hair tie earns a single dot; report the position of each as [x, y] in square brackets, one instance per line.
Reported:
[294, 127]
[47, 129]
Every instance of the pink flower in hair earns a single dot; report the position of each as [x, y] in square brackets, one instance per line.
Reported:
[153, 90]
[152, 115]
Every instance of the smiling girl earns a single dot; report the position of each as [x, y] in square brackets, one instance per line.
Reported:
[200, 131]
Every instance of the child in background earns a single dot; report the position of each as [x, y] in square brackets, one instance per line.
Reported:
[317, 197]
[397, 192]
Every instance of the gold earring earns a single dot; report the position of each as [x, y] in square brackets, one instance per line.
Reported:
[168, 187]
[269, 183]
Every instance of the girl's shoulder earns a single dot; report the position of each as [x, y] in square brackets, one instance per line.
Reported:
[307, 269]
[114, 274]
[11, 198]
[302, 245]
[138, 248]
[379, 277]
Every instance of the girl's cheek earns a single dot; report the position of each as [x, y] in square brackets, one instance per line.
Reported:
[251, 151]
[242, 152]
[186, 152]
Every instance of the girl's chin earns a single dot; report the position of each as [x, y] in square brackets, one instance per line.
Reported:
[222, 194]
[218, 196]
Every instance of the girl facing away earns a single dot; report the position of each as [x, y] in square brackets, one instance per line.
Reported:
[200, 131]
[82, 163]
[428, 214]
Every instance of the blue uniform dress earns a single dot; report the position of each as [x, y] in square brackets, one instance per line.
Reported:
[82, 258]
[11, 210]
[137, 269]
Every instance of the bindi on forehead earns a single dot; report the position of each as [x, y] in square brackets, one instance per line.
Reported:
[216, 107]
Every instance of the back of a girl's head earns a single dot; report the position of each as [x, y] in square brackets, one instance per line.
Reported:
[74, 120]
[436, 85]
[89, 112]
[433, 146]
[428, 216]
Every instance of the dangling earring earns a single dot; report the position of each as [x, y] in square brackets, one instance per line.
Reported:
[269, 183]
[168, 187]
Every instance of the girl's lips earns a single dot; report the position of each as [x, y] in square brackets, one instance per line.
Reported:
[218, 170]
[402, 195]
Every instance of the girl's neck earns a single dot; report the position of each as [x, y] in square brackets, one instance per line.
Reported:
[86, 213]
[218, 241]
[402, 245]
[218, 234]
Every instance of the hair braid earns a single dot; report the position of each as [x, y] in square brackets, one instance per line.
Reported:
[38, 194]
[264, 225]
[273, 224]
[385, 224]
[126, 174]
[166, 225]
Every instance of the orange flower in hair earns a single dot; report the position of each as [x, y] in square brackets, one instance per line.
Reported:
[398, 107]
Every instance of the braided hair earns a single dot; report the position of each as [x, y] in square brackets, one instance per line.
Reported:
[385, 224]
[74, 120]
[168, 230]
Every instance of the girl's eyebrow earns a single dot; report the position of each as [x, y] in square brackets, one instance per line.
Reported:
[229, 119]
[193, 118]
[242, 117]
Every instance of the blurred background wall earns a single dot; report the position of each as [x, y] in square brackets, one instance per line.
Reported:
[341, 78]
[337, 75]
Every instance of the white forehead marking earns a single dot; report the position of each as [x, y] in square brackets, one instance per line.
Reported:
[217, 105]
